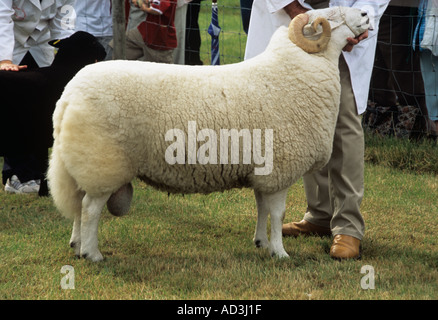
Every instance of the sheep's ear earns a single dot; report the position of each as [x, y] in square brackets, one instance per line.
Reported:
[55, 43]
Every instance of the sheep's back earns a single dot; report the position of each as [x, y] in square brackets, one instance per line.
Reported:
[123, 109]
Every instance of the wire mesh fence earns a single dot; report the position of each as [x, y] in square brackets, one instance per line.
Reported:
[398, 102]
[397, 98]
[232, 38]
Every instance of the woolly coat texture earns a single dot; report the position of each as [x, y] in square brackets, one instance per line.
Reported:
[111, 121]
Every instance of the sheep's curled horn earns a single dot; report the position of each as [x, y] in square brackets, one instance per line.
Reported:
[310, 46]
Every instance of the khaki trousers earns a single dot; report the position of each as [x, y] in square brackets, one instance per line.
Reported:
[334, 193]
[136, 49]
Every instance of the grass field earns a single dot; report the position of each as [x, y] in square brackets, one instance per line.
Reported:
[232, 39]
[200, 247]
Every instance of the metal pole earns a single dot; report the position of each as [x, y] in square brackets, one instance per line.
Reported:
[119, 37]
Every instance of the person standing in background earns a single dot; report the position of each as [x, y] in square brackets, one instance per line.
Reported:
[427, 33]
[154, 39]
[26, 27]
[94, 16]
[335, 192]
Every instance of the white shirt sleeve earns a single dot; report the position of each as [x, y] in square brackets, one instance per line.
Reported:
[361, 59]
[276, 5]
[6, 30]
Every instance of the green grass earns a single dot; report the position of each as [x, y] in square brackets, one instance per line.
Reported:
[200, 247]
[419, 157]
[232, 39]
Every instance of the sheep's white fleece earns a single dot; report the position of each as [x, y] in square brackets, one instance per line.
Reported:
[110, 123]
[112, 117]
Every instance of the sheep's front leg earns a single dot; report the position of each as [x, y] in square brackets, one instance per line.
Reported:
[275, 204]
[91, 210]
[277, 207]
[261, 235]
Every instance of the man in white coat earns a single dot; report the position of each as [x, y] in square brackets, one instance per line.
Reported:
[28, 26]
[334, 193]
[94, 16]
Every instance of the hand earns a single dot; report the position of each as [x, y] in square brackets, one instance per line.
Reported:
[145, 6]
[294, 8]
[142, 4]
[7, 65]
[353, 41]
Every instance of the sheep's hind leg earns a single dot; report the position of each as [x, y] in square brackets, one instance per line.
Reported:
[274, 203]
[261, 235]
[277, 206]
[91, 210]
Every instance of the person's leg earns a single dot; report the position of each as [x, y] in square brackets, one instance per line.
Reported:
[319, 209]
[21, 174]
[334, 193]
[180, 26]
[23, 164]
[160, 56]
[134, 45]
[346, 166]
[245, 12]
[429, 71]
[193, 36]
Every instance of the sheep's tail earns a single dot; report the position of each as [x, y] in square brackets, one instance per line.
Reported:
[63, 187]
[58, 115]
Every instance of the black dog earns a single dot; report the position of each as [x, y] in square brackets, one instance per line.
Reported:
[28, 99]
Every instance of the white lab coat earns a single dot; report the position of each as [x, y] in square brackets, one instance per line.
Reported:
[268, 15]
[94, 17]
[28, 25]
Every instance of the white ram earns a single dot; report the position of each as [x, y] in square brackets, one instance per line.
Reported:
[108, 129]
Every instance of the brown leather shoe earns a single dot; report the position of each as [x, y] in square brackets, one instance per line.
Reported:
[345, 247]
[305, 228]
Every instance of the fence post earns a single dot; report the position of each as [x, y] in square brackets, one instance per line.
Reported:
[119, 37]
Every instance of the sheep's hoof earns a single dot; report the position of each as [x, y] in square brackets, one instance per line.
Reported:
[120, 201]
[96, 257]
[279, 254]
[261, 243]
[76, 246]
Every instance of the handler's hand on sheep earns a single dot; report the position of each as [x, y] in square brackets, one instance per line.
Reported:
[354, 41]
[294, 8]
[7, 65]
